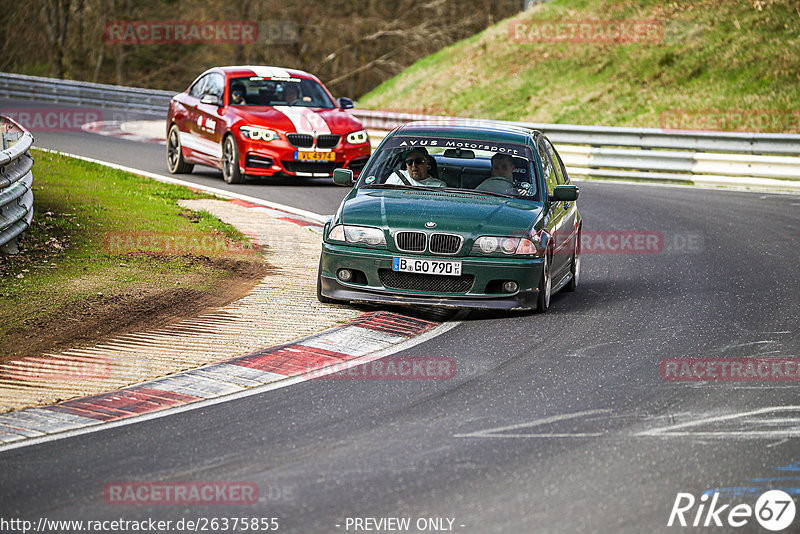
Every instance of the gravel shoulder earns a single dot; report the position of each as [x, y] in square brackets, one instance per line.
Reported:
[280, 308]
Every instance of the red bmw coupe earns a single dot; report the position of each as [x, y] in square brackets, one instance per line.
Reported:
[263, 121]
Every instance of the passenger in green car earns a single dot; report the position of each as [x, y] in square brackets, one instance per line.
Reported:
[502, 179]
[418, 164]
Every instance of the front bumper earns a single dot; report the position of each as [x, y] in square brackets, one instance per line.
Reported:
[260, 158]
[488, 273]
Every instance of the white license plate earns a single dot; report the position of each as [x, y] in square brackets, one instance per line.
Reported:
[418, 265]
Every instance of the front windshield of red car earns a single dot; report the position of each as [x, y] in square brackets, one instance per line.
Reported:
[480, 167]
[266, 91]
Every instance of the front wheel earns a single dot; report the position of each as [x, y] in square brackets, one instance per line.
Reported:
[545, 286]
[575, 268]
[175, 161]
[230, 162]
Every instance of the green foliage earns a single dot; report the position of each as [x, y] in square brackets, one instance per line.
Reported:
[710, 56]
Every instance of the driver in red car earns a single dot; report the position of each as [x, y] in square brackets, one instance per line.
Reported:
[237, 95]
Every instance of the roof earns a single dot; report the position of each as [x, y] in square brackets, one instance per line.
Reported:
[467, 129]
[264, 71]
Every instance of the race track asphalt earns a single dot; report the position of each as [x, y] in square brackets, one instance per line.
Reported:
[552, 423]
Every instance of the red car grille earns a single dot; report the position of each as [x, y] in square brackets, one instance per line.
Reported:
[311, 166]
[328, 140]
[300, 140]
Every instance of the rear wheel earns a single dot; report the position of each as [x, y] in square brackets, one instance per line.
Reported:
[175, 161]
[230, 162]
[545, 286]
[575, 268]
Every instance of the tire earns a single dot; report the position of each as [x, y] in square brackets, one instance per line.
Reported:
[175, 161]
[575, 267]
[545, 287]
[320, 297]
[230, 162]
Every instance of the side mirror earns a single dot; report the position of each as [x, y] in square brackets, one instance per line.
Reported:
[344, 103]
[343, 177]
[565, 193]
[210, 99]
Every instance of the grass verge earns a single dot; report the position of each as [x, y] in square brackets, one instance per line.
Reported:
[110, 252]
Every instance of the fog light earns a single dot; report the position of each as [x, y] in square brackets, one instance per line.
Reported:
[510, 286]
[345, 275]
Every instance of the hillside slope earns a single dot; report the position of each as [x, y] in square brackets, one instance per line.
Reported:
[693, 65]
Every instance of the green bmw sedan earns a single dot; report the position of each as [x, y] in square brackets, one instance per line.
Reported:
[455, 214]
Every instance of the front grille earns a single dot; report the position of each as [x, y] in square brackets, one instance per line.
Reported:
[357, 164]
[300, 140]
[325, 167]
[328, 140]
[258, 162]
[430, 283]
[445, 243]
[410, 241]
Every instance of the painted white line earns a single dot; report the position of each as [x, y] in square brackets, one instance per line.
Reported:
[322, 219]
[290, 381]
[674, 430]
[495, 432]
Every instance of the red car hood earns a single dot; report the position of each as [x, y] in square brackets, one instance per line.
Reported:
[300, 119]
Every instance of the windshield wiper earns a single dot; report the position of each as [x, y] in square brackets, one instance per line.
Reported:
[402, 186]
[475, 192]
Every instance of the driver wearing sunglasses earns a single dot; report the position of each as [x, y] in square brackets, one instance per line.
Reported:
[415, 170]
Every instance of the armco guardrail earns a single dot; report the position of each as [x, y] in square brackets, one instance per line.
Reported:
[764, 160]
[726, 158]
[85, 93]
[16, 181]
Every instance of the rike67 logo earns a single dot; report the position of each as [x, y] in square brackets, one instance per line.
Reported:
[774, 510]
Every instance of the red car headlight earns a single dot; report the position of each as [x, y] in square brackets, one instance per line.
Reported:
[358, 138]
[258, 134]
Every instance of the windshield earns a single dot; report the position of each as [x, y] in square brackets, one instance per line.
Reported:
[265, 91]
[480, 167]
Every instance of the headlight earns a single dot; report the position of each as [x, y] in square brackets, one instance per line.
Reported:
[508, 245]
[358, 235]
[258, 134]
[358, 138]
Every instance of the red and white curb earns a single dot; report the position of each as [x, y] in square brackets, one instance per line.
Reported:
[371, 336]
[118, 129]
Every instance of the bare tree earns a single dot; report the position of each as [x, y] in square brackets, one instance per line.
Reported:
[55, 14]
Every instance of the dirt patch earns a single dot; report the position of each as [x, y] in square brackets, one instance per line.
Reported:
[102, 317]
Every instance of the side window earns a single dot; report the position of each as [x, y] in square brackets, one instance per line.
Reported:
[215, 85]
[197, 89]
[561, 174]
[547, 167]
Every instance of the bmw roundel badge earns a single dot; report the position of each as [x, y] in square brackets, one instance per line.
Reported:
[430, 224]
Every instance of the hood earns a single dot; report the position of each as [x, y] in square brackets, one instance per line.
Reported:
[465, 214]
[299, 119]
